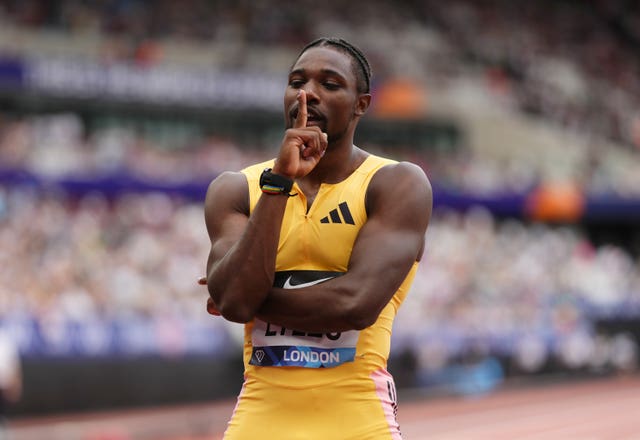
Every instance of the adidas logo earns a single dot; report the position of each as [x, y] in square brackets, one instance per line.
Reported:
[334, 215]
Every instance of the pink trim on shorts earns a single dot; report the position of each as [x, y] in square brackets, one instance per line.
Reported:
[386, 391]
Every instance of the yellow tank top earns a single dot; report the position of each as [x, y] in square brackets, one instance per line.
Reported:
[314, 247]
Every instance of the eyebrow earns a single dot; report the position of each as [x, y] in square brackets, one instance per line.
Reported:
[327, 72]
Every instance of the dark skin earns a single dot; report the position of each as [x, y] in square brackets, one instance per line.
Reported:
[322, 109]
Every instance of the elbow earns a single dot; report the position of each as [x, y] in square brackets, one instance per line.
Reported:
[237, 300]
[236, 314]
[236, 311]
[362, 322]
[231, 307]
[356, 309]
[358, 317]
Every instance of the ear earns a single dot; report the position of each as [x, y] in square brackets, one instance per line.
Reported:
[364, 100]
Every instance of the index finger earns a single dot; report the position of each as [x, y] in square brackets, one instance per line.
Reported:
[301, 119]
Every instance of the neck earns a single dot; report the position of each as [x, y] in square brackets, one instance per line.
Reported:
[337, 164]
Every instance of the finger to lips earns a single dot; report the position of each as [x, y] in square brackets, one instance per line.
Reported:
[301, 119]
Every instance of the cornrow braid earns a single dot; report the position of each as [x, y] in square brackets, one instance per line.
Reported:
[363, 72]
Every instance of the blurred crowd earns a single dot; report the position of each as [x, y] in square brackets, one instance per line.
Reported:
[93, 277]
[529, 293]
[98, 275]
[60, 145]
[573, 64]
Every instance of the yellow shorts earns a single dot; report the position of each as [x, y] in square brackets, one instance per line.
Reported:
[357, 409]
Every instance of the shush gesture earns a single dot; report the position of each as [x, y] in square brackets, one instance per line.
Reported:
[302, 147]
[306, 274]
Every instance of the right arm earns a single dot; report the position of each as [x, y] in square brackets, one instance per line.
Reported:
[240, 267]
[242, 260]
[12, 388]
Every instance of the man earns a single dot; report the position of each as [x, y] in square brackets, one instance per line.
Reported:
[10, 378]
[315, 252]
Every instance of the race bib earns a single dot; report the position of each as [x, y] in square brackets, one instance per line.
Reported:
[276, 346]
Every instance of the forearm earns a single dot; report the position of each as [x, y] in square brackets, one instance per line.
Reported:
[239, 277]
[352, 301]
[309, 310]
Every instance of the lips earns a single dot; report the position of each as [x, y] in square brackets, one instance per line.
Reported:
[314, 121]
[313, 116]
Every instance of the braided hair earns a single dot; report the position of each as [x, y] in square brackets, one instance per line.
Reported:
[361, 67]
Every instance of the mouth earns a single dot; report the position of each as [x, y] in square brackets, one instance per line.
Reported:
[313, 117]
[314, 122]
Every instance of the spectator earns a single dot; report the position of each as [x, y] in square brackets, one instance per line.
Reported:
[10, 378]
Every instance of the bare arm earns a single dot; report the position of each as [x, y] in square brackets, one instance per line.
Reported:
[13, 390]
[12, 381]
[241, 263]
[400, 201]
[240, 268]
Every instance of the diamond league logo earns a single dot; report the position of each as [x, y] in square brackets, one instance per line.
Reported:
[259, 355]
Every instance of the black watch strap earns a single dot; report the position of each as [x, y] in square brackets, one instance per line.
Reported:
[271, 183]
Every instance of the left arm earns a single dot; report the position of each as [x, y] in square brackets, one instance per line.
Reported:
[399, 201]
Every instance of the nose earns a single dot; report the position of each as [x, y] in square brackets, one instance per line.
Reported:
[311, 89]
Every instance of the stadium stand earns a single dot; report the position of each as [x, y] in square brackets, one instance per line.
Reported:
[116, 115]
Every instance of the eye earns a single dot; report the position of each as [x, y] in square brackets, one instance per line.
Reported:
[296, 83]
[331, 86]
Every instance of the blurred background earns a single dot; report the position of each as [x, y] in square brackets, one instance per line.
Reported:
[116, 114]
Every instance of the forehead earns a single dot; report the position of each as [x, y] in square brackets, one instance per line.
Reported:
[325, 58]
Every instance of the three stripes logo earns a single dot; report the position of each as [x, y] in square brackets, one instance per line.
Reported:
[339, 215]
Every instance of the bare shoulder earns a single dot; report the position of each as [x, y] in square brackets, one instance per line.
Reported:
[398, 183]
[404, 170]
[227, 180]
[228, 191]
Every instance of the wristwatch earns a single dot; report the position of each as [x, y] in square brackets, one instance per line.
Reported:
[275, 184]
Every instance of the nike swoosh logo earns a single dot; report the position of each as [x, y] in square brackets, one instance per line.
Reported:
[288, 285]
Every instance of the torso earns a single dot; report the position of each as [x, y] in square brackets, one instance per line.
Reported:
[310, 185]
[316, 239]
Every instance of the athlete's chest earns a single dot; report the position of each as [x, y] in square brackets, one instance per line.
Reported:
[321, 235]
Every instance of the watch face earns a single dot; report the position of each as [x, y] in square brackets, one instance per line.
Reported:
[277, 182]
[265, 177]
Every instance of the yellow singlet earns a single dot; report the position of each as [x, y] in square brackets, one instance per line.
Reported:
[320, 386]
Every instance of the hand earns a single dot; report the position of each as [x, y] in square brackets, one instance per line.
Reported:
[211, 307]
[302, 147]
